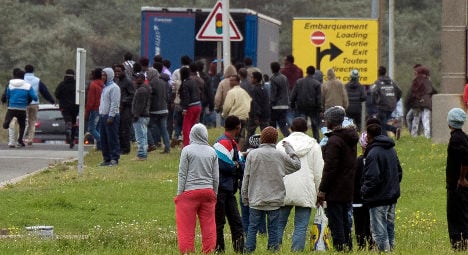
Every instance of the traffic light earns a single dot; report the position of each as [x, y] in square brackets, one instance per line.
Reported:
[219, 23]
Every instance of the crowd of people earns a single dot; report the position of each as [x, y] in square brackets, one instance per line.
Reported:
[191, 94]
[153, 107]
[299, 173]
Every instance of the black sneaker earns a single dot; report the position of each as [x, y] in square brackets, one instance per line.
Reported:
[104, 163]
[20, 144]
[113, 163]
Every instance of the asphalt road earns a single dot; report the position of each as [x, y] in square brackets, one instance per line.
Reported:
[16, 163]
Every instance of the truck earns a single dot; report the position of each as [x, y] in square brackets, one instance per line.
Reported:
[171, 32]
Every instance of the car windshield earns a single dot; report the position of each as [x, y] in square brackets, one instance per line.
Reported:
[49, 115]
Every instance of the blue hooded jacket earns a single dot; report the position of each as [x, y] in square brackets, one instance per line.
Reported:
[19, 94]
[382, 173]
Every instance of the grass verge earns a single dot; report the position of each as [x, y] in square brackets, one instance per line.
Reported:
[129, 209]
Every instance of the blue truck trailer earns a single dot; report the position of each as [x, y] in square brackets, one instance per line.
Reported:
[171, 32]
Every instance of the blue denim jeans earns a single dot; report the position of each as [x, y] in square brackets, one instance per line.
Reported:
[158, 127]
[384, 116]
[93, 127]
[110, 144]
[301, 221]
[272, 220]
[382, 224]
[178, 120]
[245, 213]
[141, 129]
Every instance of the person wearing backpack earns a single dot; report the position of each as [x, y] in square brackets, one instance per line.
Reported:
[385, 95]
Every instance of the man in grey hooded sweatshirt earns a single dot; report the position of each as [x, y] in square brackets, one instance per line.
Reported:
[109, 119]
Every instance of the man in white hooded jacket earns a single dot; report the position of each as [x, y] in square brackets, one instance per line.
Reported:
[301, 186]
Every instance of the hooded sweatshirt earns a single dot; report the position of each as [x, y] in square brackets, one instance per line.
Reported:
[65, 94]
[356, 95]
[19, 93]
[382, 173]
[223, 87]
[339, 155]
[110, 97]
[302, 186]
[198, 166]
[333, 92]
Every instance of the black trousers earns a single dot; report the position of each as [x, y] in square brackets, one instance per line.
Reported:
[226, 207]
[278, 117]
[362, 227]
[21, 117]
[339, 224]
[125, 129]
[457, 218]
[69, 116]
[314, 121]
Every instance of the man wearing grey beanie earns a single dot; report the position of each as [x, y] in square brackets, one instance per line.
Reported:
[457, 184]
[337, 184]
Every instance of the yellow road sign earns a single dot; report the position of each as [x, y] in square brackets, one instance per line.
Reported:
[341, 44]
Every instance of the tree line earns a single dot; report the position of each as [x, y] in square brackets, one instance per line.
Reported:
[46, 33]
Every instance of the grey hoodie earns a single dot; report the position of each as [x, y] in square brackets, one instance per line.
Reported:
[110, 97]
[198, 166]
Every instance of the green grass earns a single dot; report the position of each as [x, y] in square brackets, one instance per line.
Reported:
[129, 209]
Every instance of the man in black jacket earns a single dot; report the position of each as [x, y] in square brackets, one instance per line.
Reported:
[127, 91]
[385, 95]
[306, 100]
[158, 109]
[337, 185]
[259, 115]
[380, 188]
[66, 98]
[456, 180]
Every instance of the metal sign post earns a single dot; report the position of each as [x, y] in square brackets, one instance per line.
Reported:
[226, 35]
[80, 100]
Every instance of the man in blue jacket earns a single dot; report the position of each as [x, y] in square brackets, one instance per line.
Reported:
[380, 188]
[230, 171]
[18, 95]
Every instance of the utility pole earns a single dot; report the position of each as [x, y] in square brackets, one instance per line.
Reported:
[391, 39]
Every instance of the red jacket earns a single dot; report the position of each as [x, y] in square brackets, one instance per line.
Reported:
[94, 96]
[293, 73]
[465, 95]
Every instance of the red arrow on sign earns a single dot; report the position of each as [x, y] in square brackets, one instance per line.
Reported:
[317, 38]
